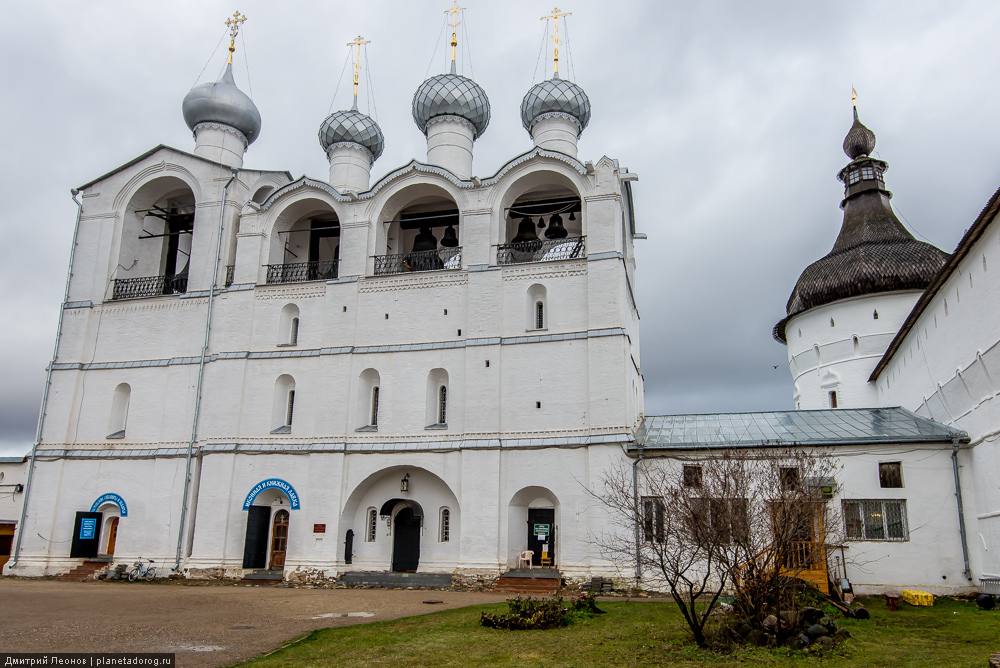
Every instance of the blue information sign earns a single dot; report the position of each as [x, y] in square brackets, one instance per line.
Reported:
[88, 528]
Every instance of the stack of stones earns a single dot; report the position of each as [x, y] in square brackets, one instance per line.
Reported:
[805, 628]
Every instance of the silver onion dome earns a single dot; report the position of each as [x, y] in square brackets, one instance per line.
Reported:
[352, 126]
[451, 95]
[222, 102]
[555, 95]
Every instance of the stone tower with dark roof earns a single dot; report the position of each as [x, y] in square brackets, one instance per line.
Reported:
[846, 306]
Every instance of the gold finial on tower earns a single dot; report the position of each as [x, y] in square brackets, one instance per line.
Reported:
[234, 23]
[358, 41]
[556, 14]
[854, 96]
[454, 23]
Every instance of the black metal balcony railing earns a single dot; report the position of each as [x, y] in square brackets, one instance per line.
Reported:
[230, 274]
[149, 286]
[442, 258]
[321, 270]
[568, 248]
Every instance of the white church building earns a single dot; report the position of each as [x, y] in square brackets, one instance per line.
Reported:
[427, 371]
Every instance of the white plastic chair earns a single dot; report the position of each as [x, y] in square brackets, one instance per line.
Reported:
[524, 559]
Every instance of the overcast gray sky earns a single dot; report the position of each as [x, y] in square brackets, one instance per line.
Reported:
[732, 113]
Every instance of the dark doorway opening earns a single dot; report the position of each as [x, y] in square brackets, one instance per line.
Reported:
[541, 534]
[255, 547]
[86, 535]
[406, 541]
[349, 547]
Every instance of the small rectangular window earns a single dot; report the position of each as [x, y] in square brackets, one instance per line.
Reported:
[372, 525]
[291, 407]
[692, 476]
[876, 519]
[374, 415]
[789, 479]
[445, 525]
[890, 474]
[294, 338]
[539, 315]
[652, 518]
[833, 398]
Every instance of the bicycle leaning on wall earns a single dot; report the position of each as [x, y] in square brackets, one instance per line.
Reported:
[139, 571]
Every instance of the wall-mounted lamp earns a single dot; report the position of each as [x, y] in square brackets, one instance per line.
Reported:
[18, 488]
[404, 484]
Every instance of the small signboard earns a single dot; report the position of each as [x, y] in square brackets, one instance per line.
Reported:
[88, 528]
[542, 530]
[319, 528]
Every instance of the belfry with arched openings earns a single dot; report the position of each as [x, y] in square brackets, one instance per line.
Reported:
[417, 369]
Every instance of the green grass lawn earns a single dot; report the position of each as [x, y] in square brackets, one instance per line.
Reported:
[951, 634]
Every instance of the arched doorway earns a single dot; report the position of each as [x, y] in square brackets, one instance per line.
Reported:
[279, 540]
[112, 536]
[533, 525]
[406, 541]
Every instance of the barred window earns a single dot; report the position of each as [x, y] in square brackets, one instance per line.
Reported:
[372, 525]
[445, 525]
[443, 405]
[652, 518]
[876, 519]
[890, 474]
[692, 476]
[374, 413]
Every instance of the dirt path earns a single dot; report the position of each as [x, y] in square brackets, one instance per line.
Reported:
[205, 625]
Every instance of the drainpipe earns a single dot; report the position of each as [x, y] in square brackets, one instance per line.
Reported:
[201, 372]
[961, 509]
[638, 516]
[48, 382]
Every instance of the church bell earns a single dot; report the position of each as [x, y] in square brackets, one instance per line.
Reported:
[525, 231]
[556, 229]
[424, 241]
[450, 238]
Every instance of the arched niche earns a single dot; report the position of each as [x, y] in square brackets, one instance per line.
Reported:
[425, 492]
[156, 239]
[304, 242]
[419, 229]
[531, 505]
[437, 399]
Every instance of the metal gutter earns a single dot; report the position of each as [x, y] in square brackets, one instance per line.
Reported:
[48, 381]
[961, 509]
[201, 372]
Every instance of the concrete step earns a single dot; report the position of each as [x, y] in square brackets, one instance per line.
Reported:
[395, 580]
[546, 573]
[264, 576]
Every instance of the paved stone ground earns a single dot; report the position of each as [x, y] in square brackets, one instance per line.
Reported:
[204, 624]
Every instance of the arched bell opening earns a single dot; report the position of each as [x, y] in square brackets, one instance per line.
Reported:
[542, 220]
[421, 231]
[532, 517]
[154, 254]
[305, 244]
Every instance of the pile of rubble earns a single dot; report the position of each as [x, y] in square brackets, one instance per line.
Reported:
[801, 629]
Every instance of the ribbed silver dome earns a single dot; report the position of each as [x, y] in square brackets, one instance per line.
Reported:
[352, 126]
[451, 94]
[222, 102]
[555, 95]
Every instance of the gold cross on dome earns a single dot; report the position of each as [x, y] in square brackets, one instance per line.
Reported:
[358, 41]
[454, 23]
[556, 15]
[234, 22]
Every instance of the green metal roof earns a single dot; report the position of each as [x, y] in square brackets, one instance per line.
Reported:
[840, 426]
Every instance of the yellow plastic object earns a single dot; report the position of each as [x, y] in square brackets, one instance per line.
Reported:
[915, 597]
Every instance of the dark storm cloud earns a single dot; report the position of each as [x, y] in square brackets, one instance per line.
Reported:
[732, 114]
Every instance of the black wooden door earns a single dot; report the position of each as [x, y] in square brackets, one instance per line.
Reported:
[541, 522]
[349, 547]
[86, 535]
[406, 542]
[258, 529]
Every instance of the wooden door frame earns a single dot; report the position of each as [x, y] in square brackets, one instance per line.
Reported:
[274, 526]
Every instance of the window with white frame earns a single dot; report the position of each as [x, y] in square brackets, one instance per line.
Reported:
[372, 525]
[653, 509]
[368, 398]
[445, 522]
[890, 474]
[288, 325]
[436, 414]
[537, 315]
[876, 519]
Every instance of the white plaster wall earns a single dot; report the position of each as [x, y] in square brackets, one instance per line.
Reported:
[947, 368]
[14, 473]
[842, 365]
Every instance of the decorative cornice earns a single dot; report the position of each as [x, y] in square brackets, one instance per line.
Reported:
[266, 294]
[351, 145]
[465, 122]
[211, 125]
[411, 282]
[556, 114]
[577, 268]
[304, 182]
